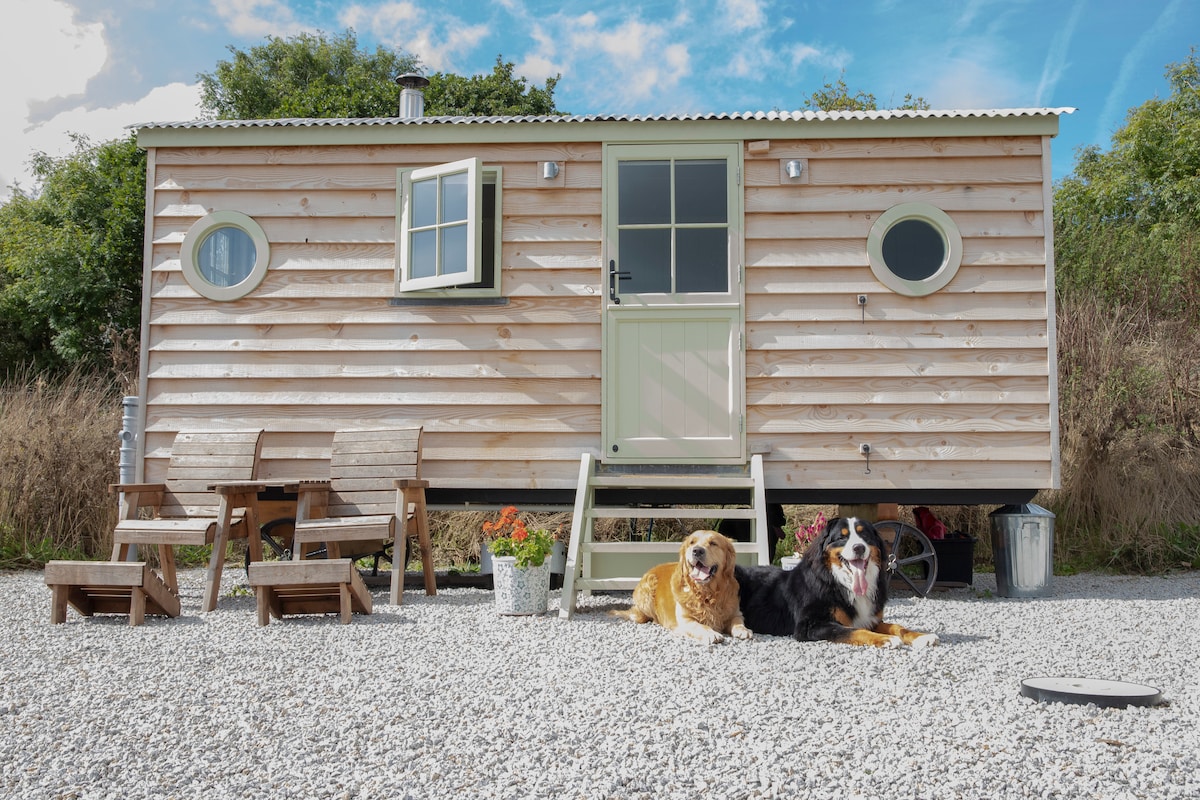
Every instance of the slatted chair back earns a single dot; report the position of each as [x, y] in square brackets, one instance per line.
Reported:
[363, 468]
[201, 458]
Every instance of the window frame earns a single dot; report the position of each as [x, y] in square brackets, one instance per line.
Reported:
[198, 234]
[453, 284]
[941, 222]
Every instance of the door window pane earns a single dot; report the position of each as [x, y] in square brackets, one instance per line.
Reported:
[700, 188]
[644, 192]
[701, 260]
[646, 256]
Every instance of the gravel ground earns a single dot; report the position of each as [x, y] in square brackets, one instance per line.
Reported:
[442, 698]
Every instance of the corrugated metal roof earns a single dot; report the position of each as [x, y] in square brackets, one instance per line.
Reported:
[781, 116]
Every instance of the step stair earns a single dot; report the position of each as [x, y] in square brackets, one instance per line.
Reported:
[612, 492]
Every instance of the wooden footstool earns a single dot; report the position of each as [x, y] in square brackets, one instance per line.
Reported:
[108, 587]
[319, 586]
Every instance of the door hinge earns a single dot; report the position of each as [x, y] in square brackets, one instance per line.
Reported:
[742, 341]
[741, 423]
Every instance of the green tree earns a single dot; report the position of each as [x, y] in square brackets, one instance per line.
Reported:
[1127, 220]
[837, 97]
[71, 257]
[497, 94]
[316, 75]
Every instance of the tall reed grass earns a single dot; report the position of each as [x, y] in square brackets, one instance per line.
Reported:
[58, 455]
[1129, 397]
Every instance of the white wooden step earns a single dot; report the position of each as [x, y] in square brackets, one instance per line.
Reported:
[670, 548]
[702, 481]
[622, 512]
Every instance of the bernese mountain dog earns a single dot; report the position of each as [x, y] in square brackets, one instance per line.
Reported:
[836, 594]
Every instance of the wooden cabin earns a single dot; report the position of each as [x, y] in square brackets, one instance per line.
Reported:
[863, 299]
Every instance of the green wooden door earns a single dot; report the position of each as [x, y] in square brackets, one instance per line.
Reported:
[673, 358]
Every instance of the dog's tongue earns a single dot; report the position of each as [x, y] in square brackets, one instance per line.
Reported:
[859, 568]
[701, 572]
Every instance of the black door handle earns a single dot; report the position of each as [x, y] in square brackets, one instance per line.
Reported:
[613, 275]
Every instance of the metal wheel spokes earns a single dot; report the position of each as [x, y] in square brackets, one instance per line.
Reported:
[916, 560]
[276, 540]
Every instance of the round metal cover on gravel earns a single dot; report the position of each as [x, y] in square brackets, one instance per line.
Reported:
[1106, 694]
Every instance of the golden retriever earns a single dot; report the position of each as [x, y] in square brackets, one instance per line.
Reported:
[696, 596]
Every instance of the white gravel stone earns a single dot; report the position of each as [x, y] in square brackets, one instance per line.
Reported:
[443, 698]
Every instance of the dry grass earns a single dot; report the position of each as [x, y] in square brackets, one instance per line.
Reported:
[58, 454]
[1130, 403]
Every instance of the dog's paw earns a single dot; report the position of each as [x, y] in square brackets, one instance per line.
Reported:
[742, 632]
[703, 635]
[925, 640]
[891, 642]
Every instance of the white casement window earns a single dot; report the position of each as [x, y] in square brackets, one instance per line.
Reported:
[447, 229]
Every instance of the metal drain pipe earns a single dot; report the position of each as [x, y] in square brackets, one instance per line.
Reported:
[127, 465]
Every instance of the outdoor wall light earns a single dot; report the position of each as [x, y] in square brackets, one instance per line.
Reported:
[794, 168]
[550, 170]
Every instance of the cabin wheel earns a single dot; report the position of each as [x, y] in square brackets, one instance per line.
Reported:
[276, 540]
[916, 560]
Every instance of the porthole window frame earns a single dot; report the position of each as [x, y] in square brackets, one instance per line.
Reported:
[941, 222]
[197, 235]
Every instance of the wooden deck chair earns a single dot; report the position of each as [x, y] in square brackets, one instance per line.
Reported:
[373, 496]
[181, 510]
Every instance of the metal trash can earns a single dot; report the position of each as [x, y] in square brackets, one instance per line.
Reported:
[1023, 549]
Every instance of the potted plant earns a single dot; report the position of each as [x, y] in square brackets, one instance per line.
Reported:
[520, 565]
[805, 534]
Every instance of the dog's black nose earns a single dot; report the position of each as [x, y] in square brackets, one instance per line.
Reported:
[860, 550]
[698, 551]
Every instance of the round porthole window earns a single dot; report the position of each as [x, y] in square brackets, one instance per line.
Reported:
[225, 255]
[914, 248]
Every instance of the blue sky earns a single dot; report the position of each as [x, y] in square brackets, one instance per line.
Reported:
[96, 66]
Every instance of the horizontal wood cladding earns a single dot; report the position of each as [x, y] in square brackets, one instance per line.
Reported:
[952, 391]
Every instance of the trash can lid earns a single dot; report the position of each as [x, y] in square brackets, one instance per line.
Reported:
[1104, 693]
[1024, 510]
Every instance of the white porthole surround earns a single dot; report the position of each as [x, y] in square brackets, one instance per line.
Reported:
[941, 222]
[189, 255]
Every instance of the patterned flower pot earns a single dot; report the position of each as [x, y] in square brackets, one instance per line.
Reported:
[524, 590]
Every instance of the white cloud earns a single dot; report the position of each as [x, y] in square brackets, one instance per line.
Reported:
[258, 18]
[975, 83]
[542, 61]
[439, 40]
[1056, 58]
[629, 63]
[56, 58]
[66, 56]
[743, 15]
[1111, 115]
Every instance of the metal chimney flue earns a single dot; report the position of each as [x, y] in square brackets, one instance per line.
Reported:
[412, 99]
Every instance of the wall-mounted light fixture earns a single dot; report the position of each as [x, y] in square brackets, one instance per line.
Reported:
[795, 168]
[550, 170]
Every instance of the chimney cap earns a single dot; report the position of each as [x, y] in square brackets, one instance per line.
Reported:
[412, 80]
